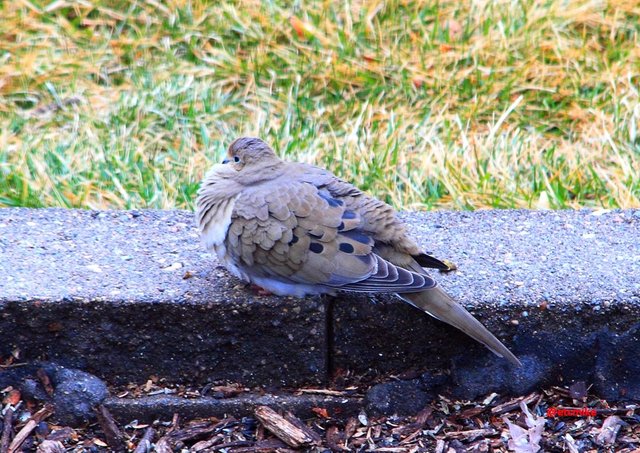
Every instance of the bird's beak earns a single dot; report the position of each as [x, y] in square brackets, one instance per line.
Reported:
[225, 161]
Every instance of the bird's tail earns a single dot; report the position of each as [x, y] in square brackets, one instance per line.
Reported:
[440, 305]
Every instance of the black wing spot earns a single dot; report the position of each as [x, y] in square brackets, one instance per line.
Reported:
[293, 240]
[341, 226]
[315, 247]
[358, 236]
[346, 247]
[349, 215]
[331, 201]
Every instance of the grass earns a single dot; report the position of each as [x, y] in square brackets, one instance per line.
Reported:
[426, 104]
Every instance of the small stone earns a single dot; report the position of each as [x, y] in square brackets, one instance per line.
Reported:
[172, 267]
[76, 394]
[42, 429]
[397, 397]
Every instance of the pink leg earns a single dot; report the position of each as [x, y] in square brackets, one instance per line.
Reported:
[259, 290]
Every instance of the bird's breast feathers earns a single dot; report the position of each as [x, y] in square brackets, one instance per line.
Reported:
[214, 231]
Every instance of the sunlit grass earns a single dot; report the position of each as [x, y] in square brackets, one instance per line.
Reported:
[425, 104]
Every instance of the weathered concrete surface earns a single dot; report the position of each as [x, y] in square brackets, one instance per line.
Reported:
[127, 295]
[102, 292]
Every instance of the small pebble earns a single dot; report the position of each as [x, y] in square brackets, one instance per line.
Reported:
[172, 267]
[94, 268]
[42, 429]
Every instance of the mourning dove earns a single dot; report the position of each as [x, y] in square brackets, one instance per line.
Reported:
[295, 229]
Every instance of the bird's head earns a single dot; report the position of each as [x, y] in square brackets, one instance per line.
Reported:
[248, 162]
[249, 153]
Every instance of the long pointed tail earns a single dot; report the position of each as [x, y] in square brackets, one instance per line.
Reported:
[440, 305]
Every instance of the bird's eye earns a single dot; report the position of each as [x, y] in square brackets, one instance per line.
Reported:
[236, 159]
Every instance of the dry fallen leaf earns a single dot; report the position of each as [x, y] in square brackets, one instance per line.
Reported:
[417, 81]
[571, 444]
[454, 28]
[321, 411]
[609, 430]
[299, 27]
[578, 390]
[45, 381]
[12, 398]
[99, 443]
[526, 440]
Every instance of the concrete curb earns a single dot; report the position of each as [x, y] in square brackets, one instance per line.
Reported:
[129, 294]
[150, 408]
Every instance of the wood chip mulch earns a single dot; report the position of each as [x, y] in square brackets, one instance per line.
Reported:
[554, 420]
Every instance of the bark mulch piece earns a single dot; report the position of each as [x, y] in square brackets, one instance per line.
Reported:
[553, 420]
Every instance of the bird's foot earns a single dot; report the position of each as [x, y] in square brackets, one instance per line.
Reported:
[259, 290]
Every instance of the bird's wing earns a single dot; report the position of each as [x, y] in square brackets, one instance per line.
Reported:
[296, 231]
[378, 220]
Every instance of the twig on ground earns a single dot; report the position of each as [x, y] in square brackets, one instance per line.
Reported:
[292, 434]
[514, 403]
[29, 427]
[113, 435]
[144, 445]
[6, 431]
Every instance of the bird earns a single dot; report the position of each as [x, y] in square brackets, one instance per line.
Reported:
[295, 229]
